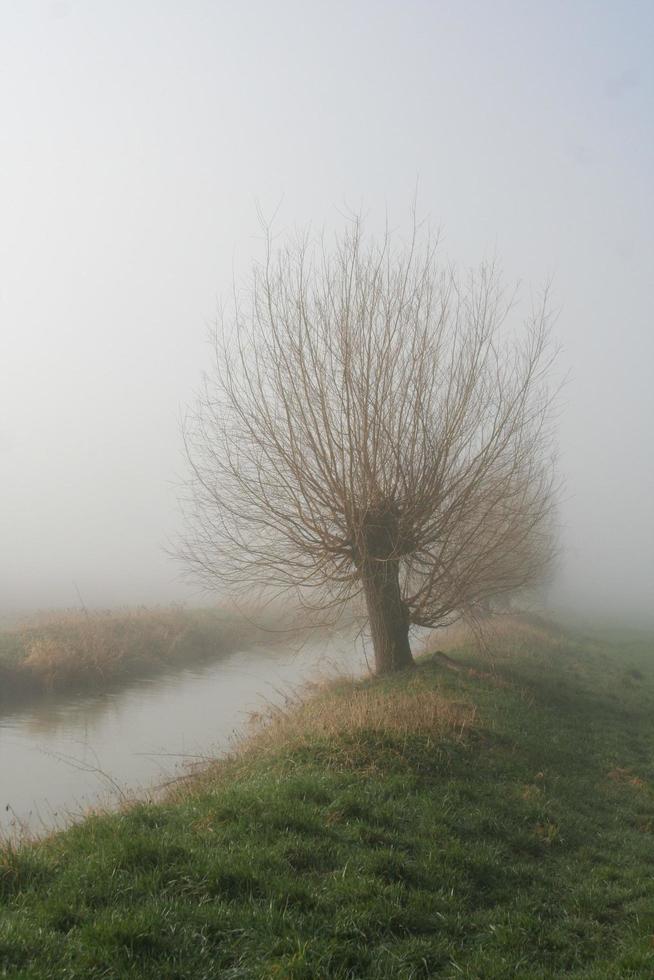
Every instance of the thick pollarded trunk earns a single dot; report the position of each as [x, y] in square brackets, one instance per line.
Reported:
[389, 622]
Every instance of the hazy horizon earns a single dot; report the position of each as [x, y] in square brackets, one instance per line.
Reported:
[138, 141]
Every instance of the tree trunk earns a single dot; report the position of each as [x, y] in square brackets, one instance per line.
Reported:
[389, 622]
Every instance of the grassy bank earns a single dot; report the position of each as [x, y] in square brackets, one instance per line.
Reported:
[485, 822]
[75, 651]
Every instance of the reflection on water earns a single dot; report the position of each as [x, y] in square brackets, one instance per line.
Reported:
[64, 755]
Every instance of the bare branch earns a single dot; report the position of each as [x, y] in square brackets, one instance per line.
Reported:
[371, 425]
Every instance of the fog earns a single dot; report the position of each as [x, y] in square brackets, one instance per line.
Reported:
[137, 140]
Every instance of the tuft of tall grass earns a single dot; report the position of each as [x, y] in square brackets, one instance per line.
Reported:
[336, 710]
[66, 650]
[100, 645]
[500, 636]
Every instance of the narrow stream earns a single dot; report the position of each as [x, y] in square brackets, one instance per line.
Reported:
[61, 756]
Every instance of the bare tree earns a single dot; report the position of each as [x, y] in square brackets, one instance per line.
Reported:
[371, 427]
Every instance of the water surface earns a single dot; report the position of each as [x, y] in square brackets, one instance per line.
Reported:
[66, 754]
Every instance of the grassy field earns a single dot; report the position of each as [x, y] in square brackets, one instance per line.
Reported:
[488, 822]
[74, 651]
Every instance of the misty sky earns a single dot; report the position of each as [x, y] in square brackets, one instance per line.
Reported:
[136, 137]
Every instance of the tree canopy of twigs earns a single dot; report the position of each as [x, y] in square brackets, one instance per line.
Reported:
[372, 425]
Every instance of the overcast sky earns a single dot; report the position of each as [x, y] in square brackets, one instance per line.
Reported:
[136, 137]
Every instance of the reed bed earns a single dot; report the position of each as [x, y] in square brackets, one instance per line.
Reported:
[72, 649]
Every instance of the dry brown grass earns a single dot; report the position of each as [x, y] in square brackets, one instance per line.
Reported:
[343, 713]
[500, 636]
[99, 645]
[626, 778]
[72, 649]
[334, 711]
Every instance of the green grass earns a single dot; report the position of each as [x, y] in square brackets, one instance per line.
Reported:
[518, 844]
